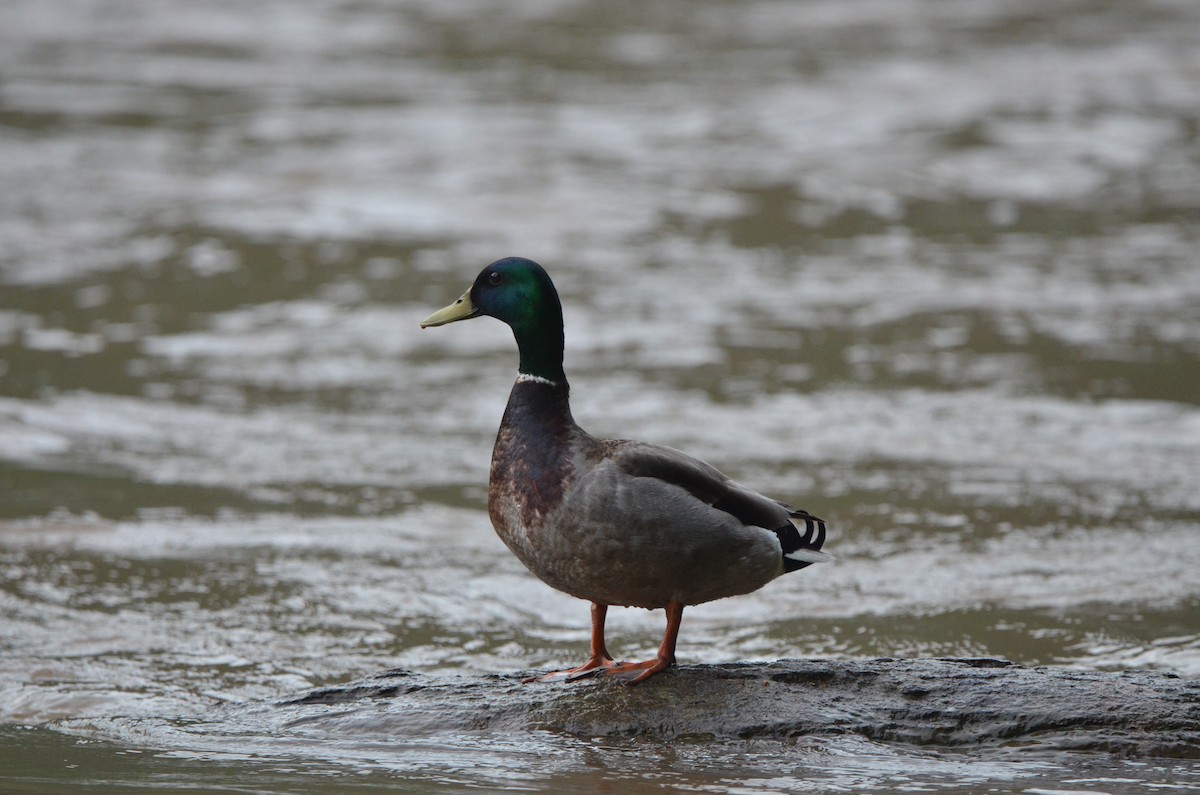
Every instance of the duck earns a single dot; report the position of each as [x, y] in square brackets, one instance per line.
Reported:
[614, 522]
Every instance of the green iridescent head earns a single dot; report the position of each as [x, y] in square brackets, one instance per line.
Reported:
[519, 292]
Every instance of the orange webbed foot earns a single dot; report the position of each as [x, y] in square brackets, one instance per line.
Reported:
[601, 662]
[638, 672]
[594, 666]
[628, 673]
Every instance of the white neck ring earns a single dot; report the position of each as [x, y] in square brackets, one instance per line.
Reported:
[529, 378]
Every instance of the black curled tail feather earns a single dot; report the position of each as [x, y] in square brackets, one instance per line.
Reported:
[792, 540]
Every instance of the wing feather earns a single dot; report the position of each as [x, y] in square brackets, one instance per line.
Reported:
[708, 484]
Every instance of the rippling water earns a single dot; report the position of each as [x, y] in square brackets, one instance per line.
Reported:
[928, 269]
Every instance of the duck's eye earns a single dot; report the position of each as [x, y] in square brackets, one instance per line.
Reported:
[495, 277]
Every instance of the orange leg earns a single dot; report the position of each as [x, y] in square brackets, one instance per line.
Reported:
[599, 660]
[633, 673]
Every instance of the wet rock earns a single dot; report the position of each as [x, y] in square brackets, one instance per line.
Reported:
[934, 702]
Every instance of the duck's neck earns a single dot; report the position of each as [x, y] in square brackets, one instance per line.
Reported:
[541, 395]
[540, 341]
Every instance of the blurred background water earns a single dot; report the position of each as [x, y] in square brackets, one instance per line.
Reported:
[927, 268]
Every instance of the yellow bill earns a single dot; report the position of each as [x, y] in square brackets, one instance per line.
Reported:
[459, 310]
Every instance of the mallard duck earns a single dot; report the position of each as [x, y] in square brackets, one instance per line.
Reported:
[614, 521]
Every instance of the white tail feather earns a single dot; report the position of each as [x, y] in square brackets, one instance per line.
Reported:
[809, 556]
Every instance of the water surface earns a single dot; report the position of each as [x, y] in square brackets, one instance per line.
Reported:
[927, 269]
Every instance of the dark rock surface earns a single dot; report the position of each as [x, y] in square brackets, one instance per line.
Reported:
[964, 703]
